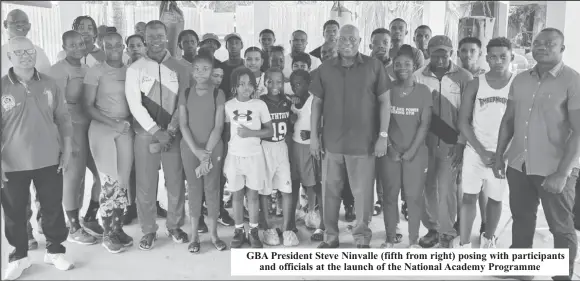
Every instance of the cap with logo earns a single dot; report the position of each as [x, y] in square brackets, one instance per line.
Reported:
[440, 42]
[232, 35]
[211, 36]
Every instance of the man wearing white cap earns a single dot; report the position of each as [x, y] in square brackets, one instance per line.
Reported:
[211, 42]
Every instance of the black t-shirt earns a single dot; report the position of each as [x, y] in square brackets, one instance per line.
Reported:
[317, 53]
[226, 83]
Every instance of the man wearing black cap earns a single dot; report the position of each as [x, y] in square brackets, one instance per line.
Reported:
[447, 82]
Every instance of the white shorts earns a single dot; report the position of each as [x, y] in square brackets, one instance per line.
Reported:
[277, 167]
[245, 171]
[477, 177]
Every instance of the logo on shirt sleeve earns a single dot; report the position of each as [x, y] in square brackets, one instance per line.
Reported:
[49, 96]
[8, 102]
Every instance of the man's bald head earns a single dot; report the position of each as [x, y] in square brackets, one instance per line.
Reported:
[348, 41]
[17, 23]
[21, 52]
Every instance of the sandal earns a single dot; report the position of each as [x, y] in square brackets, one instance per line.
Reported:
[219, 245]
[147, 241]
[194, 247]
[318, 235]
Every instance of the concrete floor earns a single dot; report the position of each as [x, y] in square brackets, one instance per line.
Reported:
[170, 261]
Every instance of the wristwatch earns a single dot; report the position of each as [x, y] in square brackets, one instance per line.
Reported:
[384, 134]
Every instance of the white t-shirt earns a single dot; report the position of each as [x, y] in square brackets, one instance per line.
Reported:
[42, 62]
[252, 114]
[288, 64]
[303, 121]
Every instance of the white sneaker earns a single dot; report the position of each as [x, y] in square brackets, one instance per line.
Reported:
[300, 215]
[415, 246]
[312, 220]
[290, 238]
[271, 237]
[58, 260]
[387, 245]
[487, 243]
[456, 244]
[15, 268]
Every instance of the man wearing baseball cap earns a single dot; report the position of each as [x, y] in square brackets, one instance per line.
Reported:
[211, 42]
[234, 45]
[447, 82]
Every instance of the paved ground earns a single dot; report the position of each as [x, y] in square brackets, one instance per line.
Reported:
[170, 261]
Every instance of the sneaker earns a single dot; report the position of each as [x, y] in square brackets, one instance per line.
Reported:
[312, 220]
[456, 244]
[482, 228]
[126, 240]
[80, 236]
[387, 245]
[177, 235]
[271, 237]
[349, 214]
[487, 243]
[239, 238]
[112, 244]
[16, 268]
[202, 227]
[445, 241]
[290, 238]
[254, 238]
[415, 246]
[59, 261]
[430, 239]
[93, 228]
[226, 220]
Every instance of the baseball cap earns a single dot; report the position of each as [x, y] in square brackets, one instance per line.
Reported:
[232, 35]
[210, 36]
[440, 42]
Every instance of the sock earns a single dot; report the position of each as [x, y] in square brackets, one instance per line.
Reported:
[253, 225]
[241, 226]
[73, 218]
[91, 214]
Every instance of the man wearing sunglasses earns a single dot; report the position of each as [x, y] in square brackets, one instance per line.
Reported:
[34, 119]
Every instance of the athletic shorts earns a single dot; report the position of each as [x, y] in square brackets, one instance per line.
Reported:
[277, 167]
[302, 164]
[475, 176]
[243, 172]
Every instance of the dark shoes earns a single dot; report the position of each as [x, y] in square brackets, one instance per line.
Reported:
[349, 214]
[324, 245]
[430, 239]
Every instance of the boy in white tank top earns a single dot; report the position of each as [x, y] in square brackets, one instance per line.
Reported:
[482, 109]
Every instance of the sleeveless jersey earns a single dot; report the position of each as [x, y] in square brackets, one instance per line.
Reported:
[488, 110]
[303, 121]
[280, 115]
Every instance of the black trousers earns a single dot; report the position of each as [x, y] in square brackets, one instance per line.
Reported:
[15, 198]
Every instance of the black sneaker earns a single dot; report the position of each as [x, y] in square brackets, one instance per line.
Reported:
[239, 238]
[93, 228]
[481, 229]
[445, 241]
[162, 213]
[130, 214]
[225, 219]
[254, 238]
[349, 214]
[202, 227]
[430, 239]
[125, 239]
[178, 235]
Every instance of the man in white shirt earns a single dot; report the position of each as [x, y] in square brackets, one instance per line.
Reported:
[298, 43]
[17, 24]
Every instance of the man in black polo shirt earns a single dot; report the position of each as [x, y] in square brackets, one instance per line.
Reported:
[33, 108]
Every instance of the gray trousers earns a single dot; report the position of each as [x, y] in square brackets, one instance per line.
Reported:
[147, 173]
[360, 171]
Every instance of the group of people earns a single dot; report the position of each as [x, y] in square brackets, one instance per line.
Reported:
[267, 122]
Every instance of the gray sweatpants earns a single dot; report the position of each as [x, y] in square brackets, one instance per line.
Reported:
[440, 192]
[361, 176]
[411, 176]
[147, 173]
